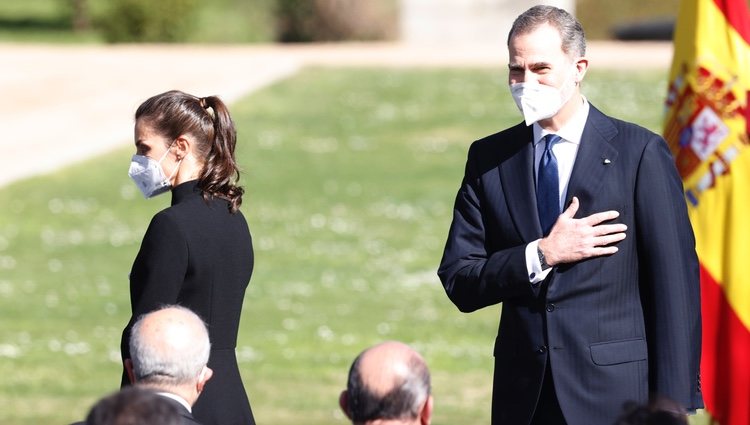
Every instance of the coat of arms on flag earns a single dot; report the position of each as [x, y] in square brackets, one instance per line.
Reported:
[700, 107]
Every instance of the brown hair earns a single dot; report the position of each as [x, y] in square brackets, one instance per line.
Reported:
[571, 31]
[207, 119]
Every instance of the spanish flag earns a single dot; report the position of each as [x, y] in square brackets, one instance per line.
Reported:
[707, 123]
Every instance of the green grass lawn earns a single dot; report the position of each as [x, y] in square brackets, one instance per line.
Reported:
[350, 177]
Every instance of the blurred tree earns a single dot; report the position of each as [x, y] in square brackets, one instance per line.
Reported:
[148, 20]
[79, 15]
[335, 20]
[233, 21]
[600, 18]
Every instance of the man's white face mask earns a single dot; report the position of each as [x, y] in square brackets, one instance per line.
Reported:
[539, 101]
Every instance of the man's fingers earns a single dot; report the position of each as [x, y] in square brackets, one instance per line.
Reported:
[572, 209]
[602, 241]
[607, 229]
[605, 250]
[597, 218]
[594, 252]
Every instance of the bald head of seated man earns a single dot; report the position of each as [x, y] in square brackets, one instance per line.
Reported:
[169, 351]
[388, 384]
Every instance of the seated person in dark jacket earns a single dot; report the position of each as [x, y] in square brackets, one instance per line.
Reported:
[133, 406]
[659, 411]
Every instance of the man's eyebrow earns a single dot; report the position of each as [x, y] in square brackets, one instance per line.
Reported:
[532, 65]
[540, 64]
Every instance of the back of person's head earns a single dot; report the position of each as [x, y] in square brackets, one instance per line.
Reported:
[169, 347]
[133, 406]
[659, 411]
[175, 113]
[389, 381]
[571, 31]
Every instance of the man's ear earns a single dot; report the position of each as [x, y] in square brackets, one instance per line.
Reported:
[425, 414]
[205, 375]
[344, 403]
[129, 369]
[582, 65]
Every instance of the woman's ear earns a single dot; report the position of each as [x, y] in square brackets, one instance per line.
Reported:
[182, 146]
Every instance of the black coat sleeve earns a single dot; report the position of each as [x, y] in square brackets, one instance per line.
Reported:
[158, 272]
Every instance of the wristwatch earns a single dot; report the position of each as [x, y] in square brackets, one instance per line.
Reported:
[542, 260]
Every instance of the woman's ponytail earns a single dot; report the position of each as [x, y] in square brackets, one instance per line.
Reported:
[220, 171]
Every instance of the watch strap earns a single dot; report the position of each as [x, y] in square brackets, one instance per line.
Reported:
[542, 260]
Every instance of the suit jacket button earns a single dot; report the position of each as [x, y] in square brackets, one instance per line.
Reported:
[550, 307]
[542, 349]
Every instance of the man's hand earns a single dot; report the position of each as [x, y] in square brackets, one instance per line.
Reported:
[572, 240]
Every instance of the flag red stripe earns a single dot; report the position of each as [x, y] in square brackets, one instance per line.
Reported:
[725, 364]
[736, 14]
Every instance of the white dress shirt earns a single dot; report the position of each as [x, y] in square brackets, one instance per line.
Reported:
[565, 151]
[178, 399]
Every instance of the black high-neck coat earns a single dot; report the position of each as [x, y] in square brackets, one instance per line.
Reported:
[199, 255]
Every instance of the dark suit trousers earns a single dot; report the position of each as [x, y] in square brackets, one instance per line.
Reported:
[547, 410]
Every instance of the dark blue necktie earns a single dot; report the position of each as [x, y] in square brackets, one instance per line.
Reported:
[548, 186]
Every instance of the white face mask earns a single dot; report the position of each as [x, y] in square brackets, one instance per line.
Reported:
[539, 101]
[148, 175]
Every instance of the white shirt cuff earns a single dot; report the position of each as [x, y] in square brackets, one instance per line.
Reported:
[533, 266]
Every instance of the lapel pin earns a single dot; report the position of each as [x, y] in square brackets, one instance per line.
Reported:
[607, 161]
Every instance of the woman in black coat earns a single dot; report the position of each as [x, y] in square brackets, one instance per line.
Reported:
[198, 252]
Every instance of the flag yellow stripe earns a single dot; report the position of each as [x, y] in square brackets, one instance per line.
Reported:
[721, 220]
[722, 229]
[719, 44]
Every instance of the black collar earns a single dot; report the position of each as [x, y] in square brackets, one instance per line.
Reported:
[184, 191]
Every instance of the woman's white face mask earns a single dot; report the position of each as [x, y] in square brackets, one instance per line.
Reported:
[149, 176]
[539, 101]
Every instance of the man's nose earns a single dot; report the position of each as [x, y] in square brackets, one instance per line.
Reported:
[530, 77]
[522, 77]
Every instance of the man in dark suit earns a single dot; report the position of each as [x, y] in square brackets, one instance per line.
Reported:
[169, 351]
[132, 406]
[577, 223]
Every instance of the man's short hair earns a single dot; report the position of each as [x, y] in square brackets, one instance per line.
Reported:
[167, 367]
[133, 406]
[571, 31]
[403, 401]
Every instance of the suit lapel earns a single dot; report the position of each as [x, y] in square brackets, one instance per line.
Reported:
[595, 156]
[517, 179]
